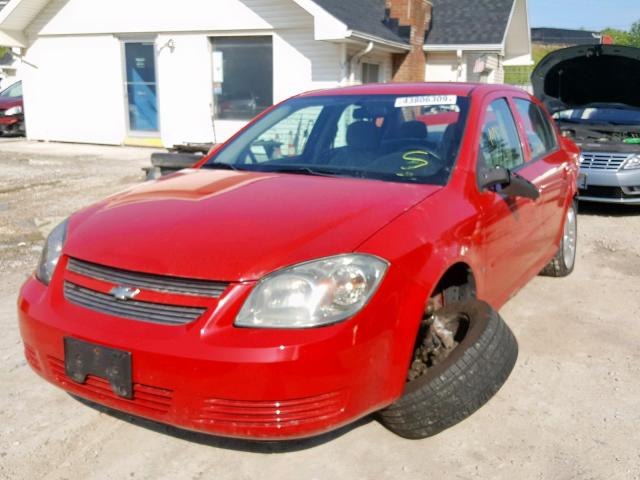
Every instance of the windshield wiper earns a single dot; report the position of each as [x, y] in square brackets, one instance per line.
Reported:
[220, 166]
[302, 170]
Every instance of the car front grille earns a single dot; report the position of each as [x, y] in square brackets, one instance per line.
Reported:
[147, 281]
[603, 161]
[131, 309]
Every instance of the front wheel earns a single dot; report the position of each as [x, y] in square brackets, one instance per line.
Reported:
[467, 354]
[565, 259]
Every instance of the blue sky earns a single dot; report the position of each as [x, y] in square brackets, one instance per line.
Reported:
[588, 14]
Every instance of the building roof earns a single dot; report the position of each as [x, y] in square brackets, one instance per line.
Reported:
[366, 16]
[564, 36]
[467, 22]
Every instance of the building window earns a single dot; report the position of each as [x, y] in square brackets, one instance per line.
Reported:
[370, 73]
[242, 76]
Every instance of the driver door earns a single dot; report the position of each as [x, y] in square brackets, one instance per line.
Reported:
[508, 223]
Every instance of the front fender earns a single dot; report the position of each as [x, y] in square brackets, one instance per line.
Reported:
[424, 243]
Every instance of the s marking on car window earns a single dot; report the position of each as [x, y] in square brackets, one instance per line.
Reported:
[426, 100]
[415, 160]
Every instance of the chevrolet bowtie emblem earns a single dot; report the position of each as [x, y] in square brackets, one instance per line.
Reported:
[124, 293]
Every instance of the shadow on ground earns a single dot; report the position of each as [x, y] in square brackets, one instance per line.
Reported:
[285, 446]
[608, 209]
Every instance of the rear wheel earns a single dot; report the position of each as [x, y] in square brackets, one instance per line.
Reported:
[464, 355]
[565, 259]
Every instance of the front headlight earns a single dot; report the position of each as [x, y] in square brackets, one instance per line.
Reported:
[313, 294]
[51, 253]
[13, 111]
[631, 163]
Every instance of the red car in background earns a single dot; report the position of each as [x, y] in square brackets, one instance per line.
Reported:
[343, 254]
[12, 110]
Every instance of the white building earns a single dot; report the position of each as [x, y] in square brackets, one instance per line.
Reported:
[473, 40]
[163, 73]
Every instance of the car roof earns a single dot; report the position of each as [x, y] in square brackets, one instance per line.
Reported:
[425, 88]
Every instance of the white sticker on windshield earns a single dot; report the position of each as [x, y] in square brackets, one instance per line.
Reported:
[426, 100]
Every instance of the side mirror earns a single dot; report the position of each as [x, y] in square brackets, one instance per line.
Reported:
[494, 177]
[508, 183]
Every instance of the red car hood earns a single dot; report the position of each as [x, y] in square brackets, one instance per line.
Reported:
[224, 225]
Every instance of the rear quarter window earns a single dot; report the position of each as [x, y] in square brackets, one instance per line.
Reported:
[541, 136]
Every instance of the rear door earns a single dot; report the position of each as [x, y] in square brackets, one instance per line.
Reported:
[548, 168]
[509, 224]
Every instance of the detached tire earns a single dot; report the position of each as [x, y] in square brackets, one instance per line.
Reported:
[466, 379]
[565, 259]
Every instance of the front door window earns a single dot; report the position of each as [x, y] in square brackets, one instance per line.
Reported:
[142, 98]
[500, 143]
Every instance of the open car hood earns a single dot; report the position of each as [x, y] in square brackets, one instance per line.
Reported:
[586, 74]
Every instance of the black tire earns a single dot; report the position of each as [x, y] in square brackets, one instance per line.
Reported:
[452, 390]
[563, 263]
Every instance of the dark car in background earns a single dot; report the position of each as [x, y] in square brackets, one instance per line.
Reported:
[593, 92]
[12, 110]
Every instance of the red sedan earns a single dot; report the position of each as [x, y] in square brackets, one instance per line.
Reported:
[341, 255]
[12, 110]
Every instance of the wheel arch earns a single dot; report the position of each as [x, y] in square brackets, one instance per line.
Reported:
[457, 275]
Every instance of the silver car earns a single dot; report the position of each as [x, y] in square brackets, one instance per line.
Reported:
[592, 91]
[612, 177]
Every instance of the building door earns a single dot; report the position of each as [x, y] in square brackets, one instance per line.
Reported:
[142, 100]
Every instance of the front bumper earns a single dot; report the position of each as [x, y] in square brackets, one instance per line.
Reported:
[611, 186]
[211, 377]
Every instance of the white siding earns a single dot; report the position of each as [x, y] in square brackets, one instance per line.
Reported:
[184, 89]
[493, 72]
[64, 17]
[69, 47]
[518, 38]
[445, 67]
[73, 90]
[377, 57]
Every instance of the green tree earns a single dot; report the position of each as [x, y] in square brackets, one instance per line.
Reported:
[630, 38]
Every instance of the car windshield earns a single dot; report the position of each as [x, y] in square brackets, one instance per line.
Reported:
[385, 137]
[599, 114]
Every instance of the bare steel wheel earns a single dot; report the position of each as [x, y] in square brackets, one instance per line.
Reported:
[440, 336]
[570, 238]
[565, 259]
[463, 358]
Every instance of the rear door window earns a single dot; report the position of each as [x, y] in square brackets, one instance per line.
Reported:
[540, 134]
[499, 141]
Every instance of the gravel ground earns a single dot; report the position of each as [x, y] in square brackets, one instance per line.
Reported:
[570, 410]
